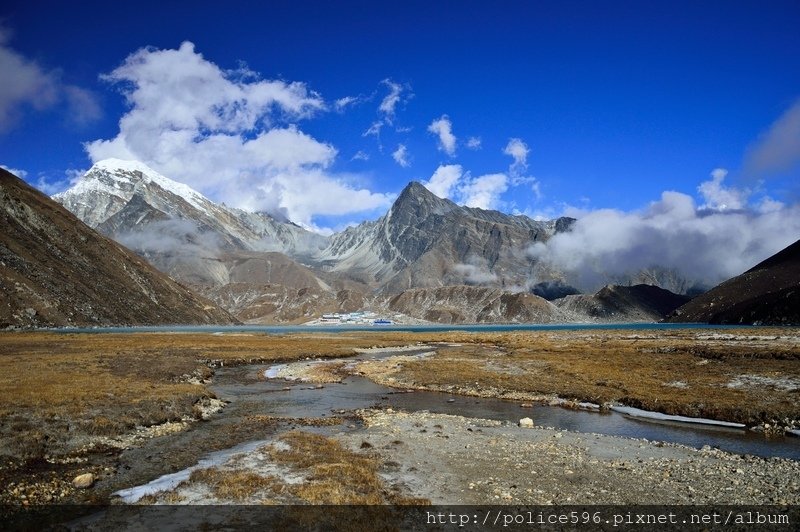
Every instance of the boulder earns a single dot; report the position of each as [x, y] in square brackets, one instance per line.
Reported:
[83, 481]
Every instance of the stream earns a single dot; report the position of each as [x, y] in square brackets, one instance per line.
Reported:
[287, 398]
[259, 390]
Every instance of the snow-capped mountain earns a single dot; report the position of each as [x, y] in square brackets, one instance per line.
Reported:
[108, 186]
[226, 253]
[56, 271]
[263, 269]
[126, 198]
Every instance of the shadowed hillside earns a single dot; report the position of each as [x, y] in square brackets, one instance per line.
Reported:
[56, 271]
[767, 294]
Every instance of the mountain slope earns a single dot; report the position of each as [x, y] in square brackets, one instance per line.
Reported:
[425, 241]
[472, 304]
[129, 200]
[767, 294]
[184, 234]
[56, 271]
[623, 303]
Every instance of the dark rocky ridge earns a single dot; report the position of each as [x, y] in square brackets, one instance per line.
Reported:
[428, 242]
[624, 303]
[767, 294]
[56, 271]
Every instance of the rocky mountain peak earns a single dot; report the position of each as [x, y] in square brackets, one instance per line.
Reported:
[125, 177]
[416, 202]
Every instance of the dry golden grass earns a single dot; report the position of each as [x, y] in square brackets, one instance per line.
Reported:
[235, 485]
[635, 369]
[335, 475]
[56, 387]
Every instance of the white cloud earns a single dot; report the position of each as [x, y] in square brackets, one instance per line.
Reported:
[223, 133]
[24, 82]
[47, 184]
[474, 143]
[452, 182]
[387, 110]
[484, 192]
[719, 197]
[389, 103]
[82, 104]
[768, 204]
[443, 128]
[360, 156]
[517, 149]
[400, 156]
[779, 147]
[50, 186]
[444, 180]
[373, 130]
[703, 245]
[474, 274]
[348, 101]
[183, 91]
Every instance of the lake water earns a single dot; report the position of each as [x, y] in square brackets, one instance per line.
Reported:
[288, 329]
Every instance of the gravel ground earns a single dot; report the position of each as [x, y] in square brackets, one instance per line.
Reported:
[458, 460]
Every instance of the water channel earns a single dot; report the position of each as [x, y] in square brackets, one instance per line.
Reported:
[283, 398]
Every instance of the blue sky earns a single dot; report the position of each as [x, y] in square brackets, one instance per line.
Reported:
[553, 107]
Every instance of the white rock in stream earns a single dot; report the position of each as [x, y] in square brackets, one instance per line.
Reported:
[272, 372]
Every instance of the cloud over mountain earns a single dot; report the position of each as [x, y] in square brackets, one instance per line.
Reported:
[710, 243]
[442, 127]
[229, 134]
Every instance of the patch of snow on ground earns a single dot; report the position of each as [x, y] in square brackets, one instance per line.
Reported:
[274, 372]
[646, 414]
[172, 480]
[787, 384]
[389, 349]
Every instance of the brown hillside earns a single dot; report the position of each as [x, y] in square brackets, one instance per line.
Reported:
[767, 294]
[56, 271]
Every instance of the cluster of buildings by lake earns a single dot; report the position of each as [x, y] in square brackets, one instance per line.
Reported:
[354, 318]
